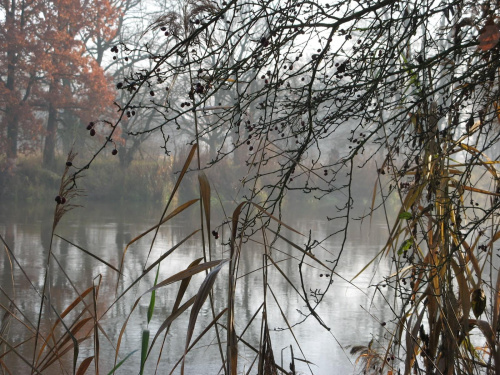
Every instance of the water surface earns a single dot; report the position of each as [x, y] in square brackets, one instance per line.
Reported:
[352, 312]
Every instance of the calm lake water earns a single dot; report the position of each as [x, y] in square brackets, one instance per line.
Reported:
[353, 312]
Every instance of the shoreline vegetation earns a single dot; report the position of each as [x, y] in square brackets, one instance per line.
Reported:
[140, 181]
[149, 181]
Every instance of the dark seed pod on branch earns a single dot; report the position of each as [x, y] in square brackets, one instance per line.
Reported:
[478, 302]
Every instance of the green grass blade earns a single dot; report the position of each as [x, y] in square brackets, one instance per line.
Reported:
[121, 362]
[144, 349]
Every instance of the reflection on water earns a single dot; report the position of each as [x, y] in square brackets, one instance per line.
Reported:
[352, 312]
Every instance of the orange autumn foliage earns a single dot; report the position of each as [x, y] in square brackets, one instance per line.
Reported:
[44, 69]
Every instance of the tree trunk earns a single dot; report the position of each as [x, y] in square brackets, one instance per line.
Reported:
[212, 146]
[126, 157]
[11, 112]
[50, 138]
[12, 134]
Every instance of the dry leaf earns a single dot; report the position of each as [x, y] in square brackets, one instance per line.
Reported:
[489, 37]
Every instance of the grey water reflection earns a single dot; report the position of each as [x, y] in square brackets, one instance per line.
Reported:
[352, 312]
